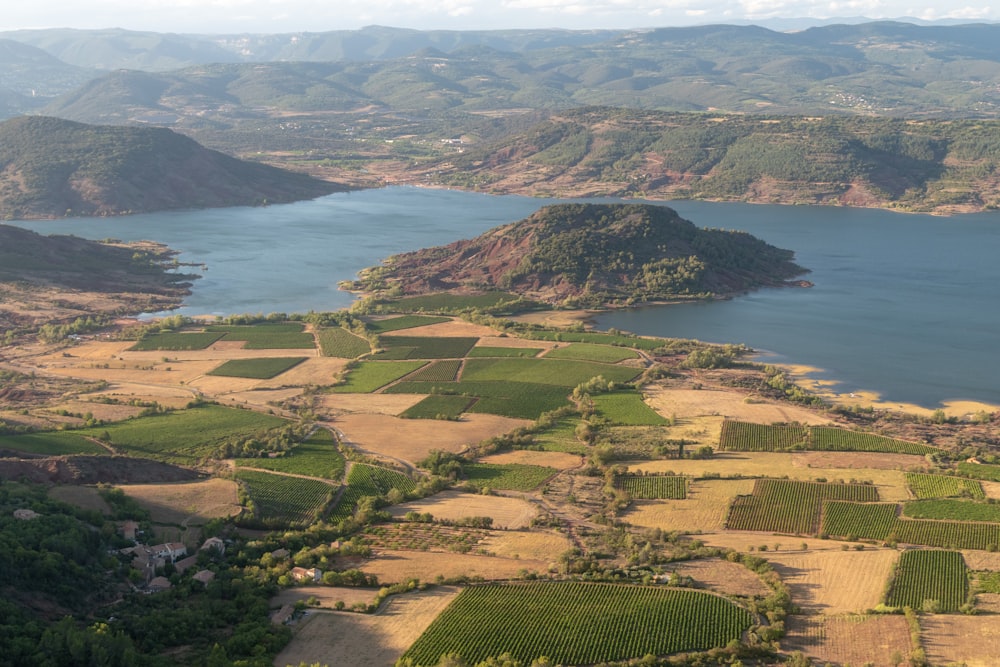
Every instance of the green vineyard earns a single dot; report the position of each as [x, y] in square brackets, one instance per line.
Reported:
[283, 500]
[576, 623]
[653, 487]
[748, 437]
[879, 521]
[785, 506]
[366, 480]
[929, 575]
[943, 486]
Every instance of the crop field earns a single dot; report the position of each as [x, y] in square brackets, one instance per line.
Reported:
[957, 639]
[879, 521]
[176, 341]
[943, 486]
[368, 376]
[317, 456]
[185, 436]
[281, 500]
[605, 354]
[368, 480]
[452, 505]
[445, 370]
[952, 510]
[507, 476]
[561, 437]
[557, 460]
[520, 400]
[881, 640]
[423, 537]
[439, 406]
[626, 408]
[831, 582]
[450, 303]
[722, 576]
[187, 503]
[843, 440]
[785, 506]
[339, 342]
[747, 437]
[704, 509]
[263, 368]
[51, 443]
[490, 351]
[267, 335]
[425, 347]
[578, 623]
[980, 471]
[929, 574]
[558, 372]
[392, 566]
[405, 322]
[653, 487]
[599, 339]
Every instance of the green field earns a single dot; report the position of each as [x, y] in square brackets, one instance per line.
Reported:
[786, 506]
[740, 436]
[925, 574]
[281, 500]
[368, 376]
[842, 440]
[439, 406]
[51, 443]
[943, 486]
[444, 370]
[653, 487]
[339, 342]
[950, 509]
[317, 456]
[879, 521]
[599, 339]
[368, 480]
[424, 347]
[520, 400]
[558, 372]
[487, 351]
[176, 341]
[626, 408]
[185, 436]
[561, 437]
[405, 322]
[507, 476]
[263, 368]
[980, 471]
[577, 623]
[267, 335]
[748, 437]
[607, 354]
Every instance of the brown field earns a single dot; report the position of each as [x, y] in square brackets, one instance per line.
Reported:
[982, 560]
[988, 602]
[558, 460]
[453, 329]
[381, 404]
[701, 402]
[85, 497]
[365, 640]
[833, 582]
[188, 503]
[555, 318]
[704, 509]
[103, 411]
[327, 596]
[722, 576]
[992, 489]
[891, 483]
[454, 505]
[744, 541]
[171, 397]
[391, 566]
[973, 641]
[520, 343]
[859, 460]
[413, 439]
[542, 546]
[314, 371]
[880, 641]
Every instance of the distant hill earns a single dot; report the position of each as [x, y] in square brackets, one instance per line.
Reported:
[54, 168]
[35, 77]
[591, 254]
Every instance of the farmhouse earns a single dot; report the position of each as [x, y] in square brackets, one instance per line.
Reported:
[159, 584]
[302, 574]
[214, 543]
[26, 515]
[204, 576]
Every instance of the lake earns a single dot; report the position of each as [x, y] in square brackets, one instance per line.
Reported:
[903, 305]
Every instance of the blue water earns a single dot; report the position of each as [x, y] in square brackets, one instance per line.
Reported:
[904, 305]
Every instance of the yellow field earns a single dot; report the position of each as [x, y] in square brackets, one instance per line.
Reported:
[880, 641]
[704, 509]
[722, 576]
[684, 403]
[541, 546]
[558, 460]
[187, 503]
[365, 640]
[452, 329]
[391, 566]
[833, 582]
[455, 505]
[327, 596]
[973, 641]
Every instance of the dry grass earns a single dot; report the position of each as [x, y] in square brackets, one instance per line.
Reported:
[988, 603]
[973, 641]
[891, 483]
[704, 509]
[314, 371]
[413, 439]
[171, 397]
[103, 411]
[532, 546]
[391, 566]
[834, 582]
[684, 403]
[722, 576]
[558, 460]
[555, 318]
[855, 460]
[187, 503]
[455, 505]
[85, 497]
[380, 404]
[982, 560]
[744, 541]
[880, 641]
[365, 640]
[452, 329]
[327, 596]
[992, 489]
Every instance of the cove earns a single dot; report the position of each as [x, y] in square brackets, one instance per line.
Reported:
[904, 305]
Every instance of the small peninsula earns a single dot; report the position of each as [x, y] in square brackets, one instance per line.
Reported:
[591, 255]
[53, 168]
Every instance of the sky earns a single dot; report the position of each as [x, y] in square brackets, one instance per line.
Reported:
[270, 16]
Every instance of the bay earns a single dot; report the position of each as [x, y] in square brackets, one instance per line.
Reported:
[904, 305]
